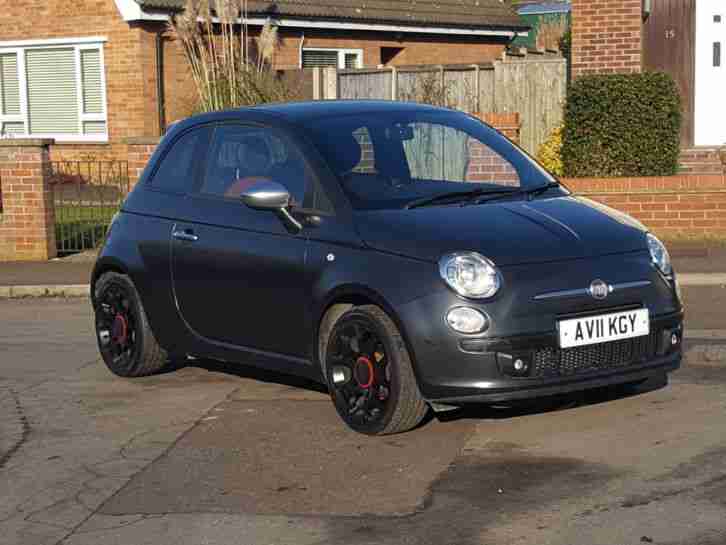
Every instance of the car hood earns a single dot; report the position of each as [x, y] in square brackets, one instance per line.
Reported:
[508, 233]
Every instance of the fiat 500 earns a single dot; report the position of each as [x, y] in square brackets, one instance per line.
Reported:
[407, 257]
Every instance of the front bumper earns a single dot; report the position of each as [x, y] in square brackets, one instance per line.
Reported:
[500, 392]
[456, 369]
[480, 377]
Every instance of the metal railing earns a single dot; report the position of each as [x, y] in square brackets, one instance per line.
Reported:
[86, 195]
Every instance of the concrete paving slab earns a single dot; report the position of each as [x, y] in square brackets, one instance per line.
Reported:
[702, 279]
[705, 307]
[54, 272]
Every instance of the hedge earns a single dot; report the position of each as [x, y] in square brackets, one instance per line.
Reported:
[622, 125]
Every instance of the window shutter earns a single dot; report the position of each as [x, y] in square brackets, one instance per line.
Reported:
[52, 92]
[312, 58]
[9, 84]
[91, 81]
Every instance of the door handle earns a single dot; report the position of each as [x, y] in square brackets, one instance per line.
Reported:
[185, 235]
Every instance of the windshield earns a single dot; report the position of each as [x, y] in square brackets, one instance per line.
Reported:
[394, 160]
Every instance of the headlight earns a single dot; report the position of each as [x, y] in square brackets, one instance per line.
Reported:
[466, 320]
[470, 274]
[659, 255]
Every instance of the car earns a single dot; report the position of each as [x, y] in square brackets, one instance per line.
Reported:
[406, 256]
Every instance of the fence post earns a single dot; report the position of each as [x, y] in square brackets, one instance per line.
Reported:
[394, 83]
[27, 224]
[317, 83]
[331, 82]
[477, 88]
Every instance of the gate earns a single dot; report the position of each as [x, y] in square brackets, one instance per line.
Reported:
[86, 195]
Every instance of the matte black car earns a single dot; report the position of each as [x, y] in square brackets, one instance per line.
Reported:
[405, 256]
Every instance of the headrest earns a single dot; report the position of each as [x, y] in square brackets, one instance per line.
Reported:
[255, 155]
[345, 154]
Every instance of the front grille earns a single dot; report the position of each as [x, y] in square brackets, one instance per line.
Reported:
[554, 362]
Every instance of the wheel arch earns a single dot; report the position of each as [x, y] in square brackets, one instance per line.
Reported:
[339, 301]
[103, 266]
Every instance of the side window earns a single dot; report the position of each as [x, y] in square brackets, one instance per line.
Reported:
[241, 156]
[440, 153]
[176, 171]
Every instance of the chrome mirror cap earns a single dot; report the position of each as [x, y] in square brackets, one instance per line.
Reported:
[266, 195]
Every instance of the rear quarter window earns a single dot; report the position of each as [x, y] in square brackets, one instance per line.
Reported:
[177, 169]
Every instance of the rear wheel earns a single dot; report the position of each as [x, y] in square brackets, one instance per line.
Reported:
[126, 342]
[370, 375]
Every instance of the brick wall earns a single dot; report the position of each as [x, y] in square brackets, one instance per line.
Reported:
[509, 124]
[672, 206]
[139, 151]
[701, 161]
[415, 49]
[486, 165]
[606, 36]
[27, 226]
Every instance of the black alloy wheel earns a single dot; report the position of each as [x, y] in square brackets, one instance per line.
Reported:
[370, 376]
[125, 340]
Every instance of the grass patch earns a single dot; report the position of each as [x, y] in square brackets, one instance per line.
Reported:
[80, 228]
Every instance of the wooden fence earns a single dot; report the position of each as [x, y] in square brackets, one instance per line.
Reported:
[533, 87]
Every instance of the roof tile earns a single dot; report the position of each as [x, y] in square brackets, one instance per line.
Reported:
[460, 13]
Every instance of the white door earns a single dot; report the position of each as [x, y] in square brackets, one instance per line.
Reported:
[710, 73]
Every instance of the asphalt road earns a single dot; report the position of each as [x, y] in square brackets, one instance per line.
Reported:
[219, 454]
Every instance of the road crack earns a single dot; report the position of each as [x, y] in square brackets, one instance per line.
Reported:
[24, 433]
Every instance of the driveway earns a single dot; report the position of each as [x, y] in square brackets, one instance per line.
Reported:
[221, 454]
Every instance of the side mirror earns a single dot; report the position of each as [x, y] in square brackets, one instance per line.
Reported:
[266, 196]
[269, 195]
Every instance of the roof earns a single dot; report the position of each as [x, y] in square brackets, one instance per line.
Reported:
[303, 111]
[463, 13]
[542, 8]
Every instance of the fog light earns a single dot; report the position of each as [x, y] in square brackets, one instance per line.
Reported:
[513, 365]
[674, 339]
[466, 320]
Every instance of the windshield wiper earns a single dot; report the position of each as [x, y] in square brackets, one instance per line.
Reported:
[541, 189]
[529, 192]
[455, 196]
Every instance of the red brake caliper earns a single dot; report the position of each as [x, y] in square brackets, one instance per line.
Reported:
[120, 329]
[364, 372]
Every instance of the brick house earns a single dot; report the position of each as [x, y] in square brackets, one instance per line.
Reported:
[92, 73]
[685, 38]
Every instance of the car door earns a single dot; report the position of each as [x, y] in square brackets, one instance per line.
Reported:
[159, 201]
[239, 274]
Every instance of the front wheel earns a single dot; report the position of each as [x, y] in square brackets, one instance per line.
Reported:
[125, 339]
[370, 375]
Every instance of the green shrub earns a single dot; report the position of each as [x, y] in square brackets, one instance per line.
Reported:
[622, 125]
[550, 152]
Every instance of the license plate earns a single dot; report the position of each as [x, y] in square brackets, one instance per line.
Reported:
[604, 328]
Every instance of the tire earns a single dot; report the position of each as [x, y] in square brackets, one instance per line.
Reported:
[380, 395]
[125, 340]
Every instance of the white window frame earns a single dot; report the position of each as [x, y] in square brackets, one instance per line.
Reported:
[341, 55]
[21, 117]
[78, 45]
